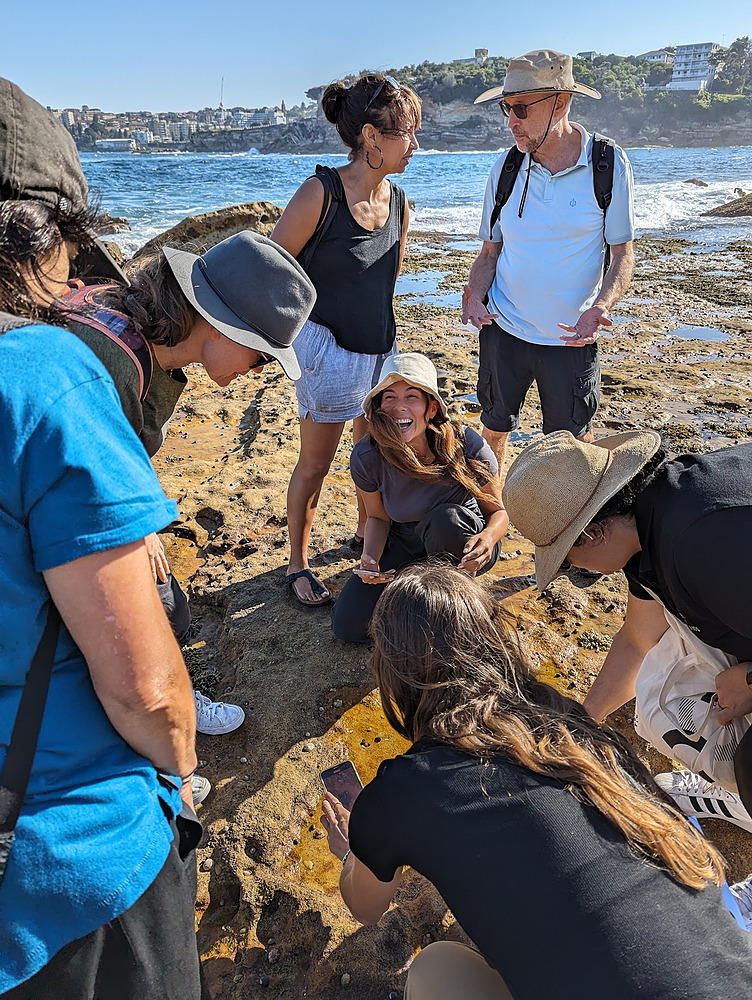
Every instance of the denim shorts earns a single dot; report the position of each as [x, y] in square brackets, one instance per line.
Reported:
[333, 382]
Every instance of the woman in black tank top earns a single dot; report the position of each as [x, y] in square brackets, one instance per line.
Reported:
[347, 227]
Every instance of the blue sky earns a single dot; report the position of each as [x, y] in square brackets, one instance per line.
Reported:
[162, 55]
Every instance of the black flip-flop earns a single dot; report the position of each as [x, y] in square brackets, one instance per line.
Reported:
[316, 586]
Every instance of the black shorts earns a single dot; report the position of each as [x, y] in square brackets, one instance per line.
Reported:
[568, 380]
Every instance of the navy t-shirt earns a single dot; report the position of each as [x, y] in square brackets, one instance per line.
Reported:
[545, 886]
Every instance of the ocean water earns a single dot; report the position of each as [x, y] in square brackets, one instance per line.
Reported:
[156, 191]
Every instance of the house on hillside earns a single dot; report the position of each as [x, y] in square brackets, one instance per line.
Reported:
[657, 56]
[692, 67]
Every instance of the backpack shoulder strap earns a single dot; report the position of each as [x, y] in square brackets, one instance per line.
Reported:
[118, 327]
[334, 193]
[603, 169]
[509, 170]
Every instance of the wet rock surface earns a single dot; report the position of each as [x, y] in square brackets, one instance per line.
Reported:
[270, 920]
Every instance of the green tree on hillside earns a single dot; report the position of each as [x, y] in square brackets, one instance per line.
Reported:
[734, 68]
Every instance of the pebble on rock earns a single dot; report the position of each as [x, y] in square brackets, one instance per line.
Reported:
[345, 979]
[307, 747]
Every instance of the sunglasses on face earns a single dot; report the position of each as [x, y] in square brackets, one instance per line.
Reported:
[520, 110]
[263, 359]
[387, 79]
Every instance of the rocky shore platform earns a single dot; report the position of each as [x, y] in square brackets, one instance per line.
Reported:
[270, 920]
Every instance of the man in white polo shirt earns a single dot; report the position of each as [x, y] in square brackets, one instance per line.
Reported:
[541, 268]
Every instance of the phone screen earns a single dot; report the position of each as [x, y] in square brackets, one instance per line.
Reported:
[343, 782]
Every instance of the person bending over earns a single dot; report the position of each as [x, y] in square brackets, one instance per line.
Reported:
[429, 486]
[525, 814]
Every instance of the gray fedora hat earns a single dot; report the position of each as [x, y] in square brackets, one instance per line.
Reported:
[249, 289]
[39, 162]
[539, 72]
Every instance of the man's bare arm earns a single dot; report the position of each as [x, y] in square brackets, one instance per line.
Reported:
[479, 281]
[111, 607]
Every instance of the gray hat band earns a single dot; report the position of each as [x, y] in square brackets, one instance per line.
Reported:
[205, 272]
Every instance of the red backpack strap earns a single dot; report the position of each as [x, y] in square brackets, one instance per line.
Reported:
[117, 326]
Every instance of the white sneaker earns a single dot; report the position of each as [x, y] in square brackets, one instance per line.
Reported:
[216, 717]
[200, 788]
[742, 893]
[697, 797]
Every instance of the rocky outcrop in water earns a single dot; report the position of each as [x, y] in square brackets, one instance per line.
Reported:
[198, 233]
[733, 209]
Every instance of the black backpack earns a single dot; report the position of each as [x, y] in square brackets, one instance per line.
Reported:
[603, 179]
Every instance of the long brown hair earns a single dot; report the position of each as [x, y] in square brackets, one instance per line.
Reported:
[446, 439]
[446, 670]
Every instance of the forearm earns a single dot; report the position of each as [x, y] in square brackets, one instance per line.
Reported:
[496, 526]
[374, 537]
[109, 603]
[363, 894]
[615, 684]
[482, 274]
[617, 278]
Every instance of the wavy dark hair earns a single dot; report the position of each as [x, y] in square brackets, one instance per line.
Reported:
[153, 301]
[349, 108]
[32, 233]
[446, 439]
[446, 670]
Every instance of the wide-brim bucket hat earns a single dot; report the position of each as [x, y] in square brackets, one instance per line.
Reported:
[415, 369]
[249, 289]
[555, 487]
[540, 72]
[39, 162]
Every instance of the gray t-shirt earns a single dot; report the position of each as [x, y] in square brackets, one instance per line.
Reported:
[406, 499]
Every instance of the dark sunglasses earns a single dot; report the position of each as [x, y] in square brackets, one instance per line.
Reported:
[264, 359]
[520, 110]
[387, 79]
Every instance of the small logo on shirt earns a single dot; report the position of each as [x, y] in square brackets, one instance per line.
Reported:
[573, 202]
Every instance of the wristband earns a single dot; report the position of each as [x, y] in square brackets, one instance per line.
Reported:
[345, 856]
[749, 675]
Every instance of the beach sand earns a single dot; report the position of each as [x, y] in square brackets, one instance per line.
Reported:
[270, 919]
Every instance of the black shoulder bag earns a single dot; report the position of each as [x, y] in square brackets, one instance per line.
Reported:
[334, 193]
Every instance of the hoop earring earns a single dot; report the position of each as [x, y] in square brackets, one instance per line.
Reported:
[379, 166]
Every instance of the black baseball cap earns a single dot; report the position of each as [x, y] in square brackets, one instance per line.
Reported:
[39, 162]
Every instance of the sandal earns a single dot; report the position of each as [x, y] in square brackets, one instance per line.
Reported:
[316, 586]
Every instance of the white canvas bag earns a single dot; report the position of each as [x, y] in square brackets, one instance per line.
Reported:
[676, 705]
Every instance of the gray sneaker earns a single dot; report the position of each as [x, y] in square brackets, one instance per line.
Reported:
[697, 797]
[216, 717]
[200, 788]
[742, 893]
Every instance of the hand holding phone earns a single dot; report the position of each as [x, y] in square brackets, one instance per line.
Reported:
[343, 783]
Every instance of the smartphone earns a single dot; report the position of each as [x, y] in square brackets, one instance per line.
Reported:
[343, 782]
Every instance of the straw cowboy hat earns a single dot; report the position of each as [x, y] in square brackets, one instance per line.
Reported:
[415, 369]
[556, 486]
[538, 72]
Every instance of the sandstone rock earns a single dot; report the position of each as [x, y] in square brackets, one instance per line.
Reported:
[107, 224]
[698, 183]
[114, 251]
[733, 209]
[198, 233]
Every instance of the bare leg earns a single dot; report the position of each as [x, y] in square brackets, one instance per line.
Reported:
[498, 442]
[359, 430]
[318, 445]
[587, 437]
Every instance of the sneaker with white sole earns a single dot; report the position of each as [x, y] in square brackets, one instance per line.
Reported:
[200, 788]
[697, 797]
[216, 717]
[742, 893]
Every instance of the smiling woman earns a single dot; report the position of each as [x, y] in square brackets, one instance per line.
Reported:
[429, 485]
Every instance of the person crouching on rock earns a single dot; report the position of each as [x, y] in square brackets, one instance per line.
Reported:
[429, 485]
[681, 531]
[233, 310]
[524, 812]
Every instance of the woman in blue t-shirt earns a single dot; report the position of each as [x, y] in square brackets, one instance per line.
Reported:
[347, 227]
[572, 874]
[429, 486]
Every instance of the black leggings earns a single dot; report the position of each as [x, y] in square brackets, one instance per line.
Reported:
[443, 531]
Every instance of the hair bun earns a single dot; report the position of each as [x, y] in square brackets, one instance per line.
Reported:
[332, 100]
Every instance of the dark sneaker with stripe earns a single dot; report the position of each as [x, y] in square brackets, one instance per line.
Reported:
[697, 797]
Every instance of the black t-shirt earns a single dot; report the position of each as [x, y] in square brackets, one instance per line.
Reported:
[695, 527]
[354, 271]
[546, 888]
